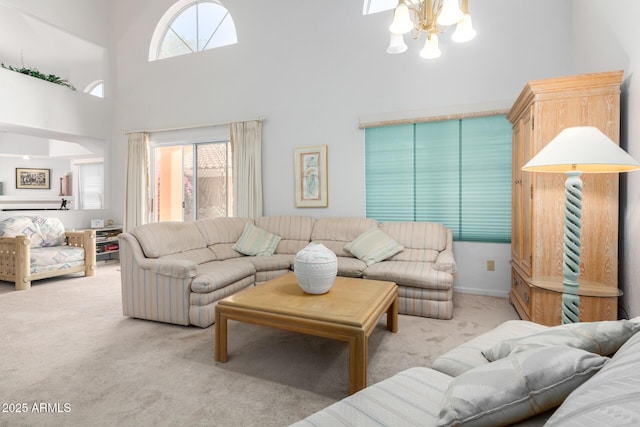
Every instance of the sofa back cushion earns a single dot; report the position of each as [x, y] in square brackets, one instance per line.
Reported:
[42, 232]
[295, 231]
[335, 232]
[221, 234]
[422, 241]
[171, 237]
[608, 398]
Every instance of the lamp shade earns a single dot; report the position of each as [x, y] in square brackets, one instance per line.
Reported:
[450, 13]
[431, 49]
[582, 148]
[396, 44]
[464, 30]
[402, 22]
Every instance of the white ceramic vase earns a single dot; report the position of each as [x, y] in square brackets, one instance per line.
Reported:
[315, 268]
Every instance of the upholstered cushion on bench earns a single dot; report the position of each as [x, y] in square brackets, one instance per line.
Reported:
[35, 247]
[53, 258]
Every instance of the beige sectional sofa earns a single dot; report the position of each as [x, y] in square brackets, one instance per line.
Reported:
[175, 272]
[571, 375]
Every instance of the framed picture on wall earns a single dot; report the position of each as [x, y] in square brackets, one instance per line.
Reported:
[38, 179]
[310, 175]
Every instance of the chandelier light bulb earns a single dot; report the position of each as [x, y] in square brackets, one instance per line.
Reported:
[402, 22]
[431, 49]
[464, 30]
[396, 44]
[450, 13]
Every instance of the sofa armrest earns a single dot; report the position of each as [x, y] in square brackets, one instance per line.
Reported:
[445, 262]
[15, 255]
[85, 239]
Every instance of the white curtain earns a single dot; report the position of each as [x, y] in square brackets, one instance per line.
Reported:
[246, 146]
[136, 205]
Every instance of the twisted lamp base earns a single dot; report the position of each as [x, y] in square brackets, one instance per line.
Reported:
[571, 257]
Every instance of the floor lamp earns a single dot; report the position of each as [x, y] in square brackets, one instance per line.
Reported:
[577, 150]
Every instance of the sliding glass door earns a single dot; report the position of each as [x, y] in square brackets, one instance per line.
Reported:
[192, 181]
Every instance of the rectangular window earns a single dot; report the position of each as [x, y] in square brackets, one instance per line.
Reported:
[455, 172]
[90, 185]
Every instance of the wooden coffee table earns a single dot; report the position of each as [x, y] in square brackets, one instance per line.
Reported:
[348, 312]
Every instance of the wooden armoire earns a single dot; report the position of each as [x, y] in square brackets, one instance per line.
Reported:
[542, 110]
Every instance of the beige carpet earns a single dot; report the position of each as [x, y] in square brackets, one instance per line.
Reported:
[70, 358]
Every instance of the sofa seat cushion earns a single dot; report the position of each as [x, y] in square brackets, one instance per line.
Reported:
[197, 256]
[414, 274]
[218, 274]
[517, 387]
[611, 397]
[350, 267]
[41, 231]
[271, 263]
[169, 237]
[53, 258]
[412, 397]
[468, 355]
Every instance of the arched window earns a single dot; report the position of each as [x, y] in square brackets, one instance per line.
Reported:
[191, 26]
[96, 89]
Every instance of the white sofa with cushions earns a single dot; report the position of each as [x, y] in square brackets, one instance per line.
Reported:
[36, 247]
[520, 373]
[176, 272]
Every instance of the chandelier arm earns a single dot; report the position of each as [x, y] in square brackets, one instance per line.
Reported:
[416, 17]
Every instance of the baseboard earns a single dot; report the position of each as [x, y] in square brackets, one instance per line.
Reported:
[485, 292]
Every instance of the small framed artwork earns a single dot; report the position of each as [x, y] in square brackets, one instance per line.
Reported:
[310, 175]
[37, 179]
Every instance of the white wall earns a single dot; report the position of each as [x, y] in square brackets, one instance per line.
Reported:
[312, 69]
[312, 78]
[605, 37]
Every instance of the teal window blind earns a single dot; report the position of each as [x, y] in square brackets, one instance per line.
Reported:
[456, 172]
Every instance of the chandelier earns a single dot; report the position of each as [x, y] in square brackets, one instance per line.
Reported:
[430, 17]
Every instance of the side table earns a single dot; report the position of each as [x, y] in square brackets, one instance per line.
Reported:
[597, 301]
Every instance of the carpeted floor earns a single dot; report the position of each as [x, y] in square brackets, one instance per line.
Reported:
[70, 358]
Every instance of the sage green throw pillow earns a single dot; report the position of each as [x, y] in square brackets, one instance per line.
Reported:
[373, 246]
[517, 387]
[256, 241]
[602, 338]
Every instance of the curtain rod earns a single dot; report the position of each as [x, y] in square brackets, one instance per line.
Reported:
[259, 119]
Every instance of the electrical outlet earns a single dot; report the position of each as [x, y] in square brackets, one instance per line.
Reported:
[491, 265]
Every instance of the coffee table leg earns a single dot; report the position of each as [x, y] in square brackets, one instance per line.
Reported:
[392, 316]
[220, 331]
[358, 349]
